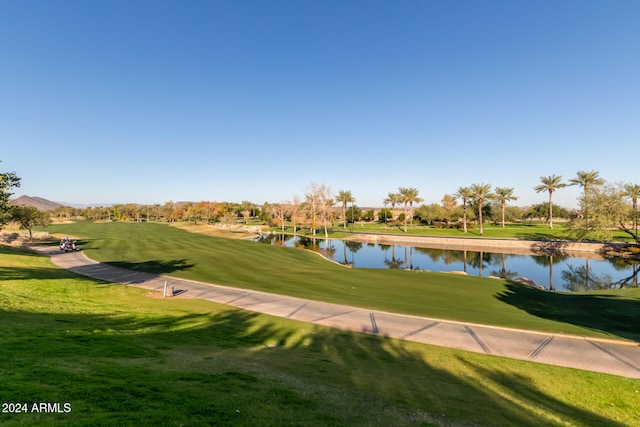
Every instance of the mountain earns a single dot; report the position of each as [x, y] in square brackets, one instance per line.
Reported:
[37, 202]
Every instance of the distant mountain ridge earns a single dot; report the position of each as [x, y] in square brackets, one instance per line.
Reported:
[37, 202]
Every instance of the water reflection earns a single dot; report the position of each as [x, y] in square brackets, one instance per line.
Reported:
[551, 270]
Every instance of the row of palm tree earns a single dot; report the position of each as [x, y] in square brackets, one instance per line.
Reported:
[407, 196]
[585, 179]
[478, 193]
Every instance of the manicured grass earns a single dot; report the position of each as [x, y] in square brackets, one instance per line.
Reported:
[526, 231]
[162, 249]
[120, 358]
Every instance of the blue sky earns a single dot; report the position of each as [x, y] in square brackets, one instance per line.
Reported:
[151, 101]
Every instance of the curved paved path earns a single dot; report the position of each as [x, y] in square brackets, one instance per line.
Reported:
[608, 356]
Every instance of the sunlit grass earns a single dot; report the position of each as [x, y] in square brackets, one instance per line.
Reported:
[119, 357]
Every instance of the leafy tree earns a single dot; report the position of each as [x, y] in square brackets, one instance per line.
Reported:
[29, 217]
[541, 211]
[479, 193]
[66, 212]
[632, 191]
[504, 194]
[384, 214]
[369, 215]
[586, 180]
[8, 181]
[465, 194]
[393, 199]
[354, 214]
[247, 210]
[430, 213]
[550, 184]
[607, 210]
[344, 197]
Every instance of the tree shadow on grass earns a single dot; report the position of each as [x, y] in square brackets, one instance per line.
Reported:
[159, 267]
[241, 368]
[21, 273]
[525, 393]
[607, 313]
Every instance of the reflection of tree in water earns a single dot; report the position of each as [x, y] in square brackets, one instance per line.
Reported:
[393, 263]
[410, 256]
[480, 260]
[503, 272]
[548, 261]
[310, 243]
[447, 256]
[275, 239]
[353, 248]
[580, 279]
[328, 250]
[622, 264]
[433, 253]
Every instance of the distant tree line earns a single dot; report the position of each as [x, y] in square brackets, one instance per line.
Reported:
[604, 207]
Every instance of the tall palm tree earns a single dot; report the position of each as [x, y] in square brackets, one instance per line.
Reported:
[480, 192]
[550, 184]
[393, 199]
[344, 197]
[504, 194]
[586, 180]
[464, 193]
[409, 197]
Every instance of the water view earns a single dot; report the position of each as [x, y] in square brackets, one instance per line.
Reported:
[552, 272]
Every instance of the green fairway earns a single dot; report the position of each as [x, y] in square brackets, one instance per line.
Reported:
[107, 355]
[162, 249]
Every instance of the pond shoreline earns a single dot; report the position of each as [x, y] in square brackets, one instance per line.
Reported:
[597, 250]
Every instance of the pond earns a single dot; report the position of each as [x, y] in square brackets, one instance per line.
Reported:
[552, 272]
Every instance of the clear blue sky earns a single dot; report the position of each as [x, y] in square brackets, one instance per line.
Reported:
[151, 101]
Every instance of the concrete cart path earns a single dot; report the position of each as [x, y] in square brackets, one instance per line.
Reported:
[607, 356]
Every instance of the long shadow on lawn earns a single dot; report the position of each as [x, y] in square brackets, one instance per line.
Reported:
[18, 273]
[600, 312]
[395, 378]
[155, 266]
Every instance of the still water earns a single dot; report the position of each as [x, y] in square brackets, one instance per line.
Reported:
[556, 272]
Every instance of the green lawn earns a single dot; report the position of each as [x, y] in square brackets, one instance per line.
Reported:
[120, 358]
[162, 249]
[528, 231]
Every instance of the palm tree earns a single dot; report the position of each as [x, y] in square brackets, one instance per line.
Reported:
[409, 196]
[586, 180]
[344, 197]
[464, 193]
[480, 192]
[405, 200]
[550, 184]
[393, 199]
[632, 191]
[504, 195]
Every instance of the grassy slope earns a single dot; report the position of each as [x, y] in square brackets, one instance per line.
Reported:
[120, 358]
[166, 250]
